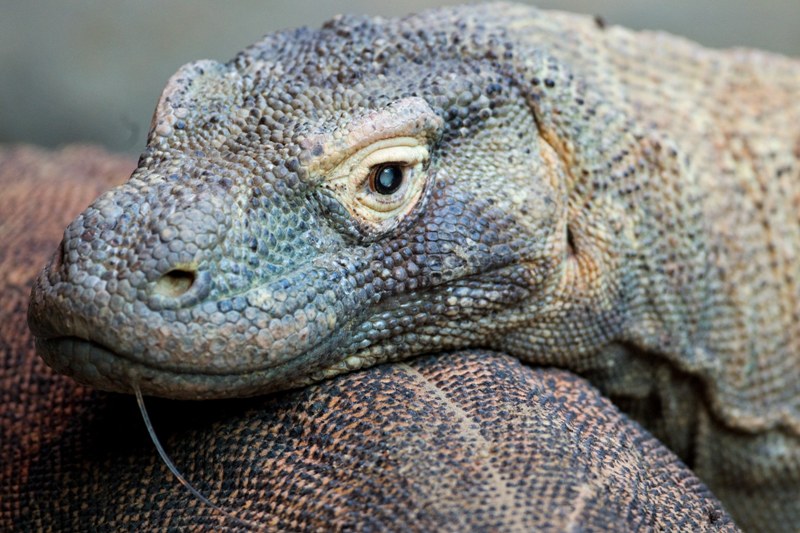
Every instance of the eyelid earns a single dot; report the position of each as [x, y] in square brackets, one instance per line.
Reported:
[403, 155]
[349, 182]
[358, 167]
[405, 158]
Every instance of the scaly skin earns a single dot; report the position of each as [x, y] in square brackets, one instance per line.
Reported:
[624, 205]
[463, 441]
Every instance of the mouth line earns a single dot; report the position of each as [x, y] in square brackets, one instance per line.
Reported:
[92, 364]
[74, 343]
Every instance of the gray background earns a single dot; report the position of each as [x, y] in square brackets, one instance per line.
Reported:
[92, 70]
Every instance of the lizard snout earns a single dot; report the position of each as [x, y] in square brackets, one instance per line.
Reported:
[129, 249]
[177, 261]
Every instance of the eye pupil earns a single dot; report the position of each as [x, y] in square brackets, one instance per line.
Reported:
[388, 179]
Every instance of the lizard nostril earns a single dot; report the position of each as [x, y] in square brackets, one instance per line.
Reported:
[175, 283]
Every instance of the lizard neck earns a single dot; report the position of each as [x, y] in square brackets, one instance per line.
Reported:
[635, 270]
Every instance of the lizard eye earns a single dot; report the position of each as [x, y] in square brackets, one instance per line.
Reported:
[386, 179]
[382, 181]
[376, 167]
[390, 179]
[388, 186]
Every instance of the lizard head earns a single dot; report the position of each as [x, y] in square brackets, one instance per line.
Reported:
[326, 200]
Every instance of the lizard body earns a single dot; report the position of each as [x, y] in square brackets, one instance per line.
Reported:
[624, 205]
[464, 441]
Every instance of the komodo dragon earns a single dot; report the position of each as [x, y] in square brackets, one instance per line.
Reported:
[464, 441]
[623, 205]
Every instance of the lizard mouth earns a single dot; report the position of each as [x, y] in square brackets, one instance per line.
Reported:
[95, 365]
[204, 358]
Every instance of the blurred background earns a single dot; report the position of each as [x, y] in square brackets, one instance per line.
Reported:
[92, 70]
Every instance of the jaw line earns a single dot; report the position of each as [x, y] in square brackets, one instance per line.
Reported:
[99, 367]
[94, 347]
